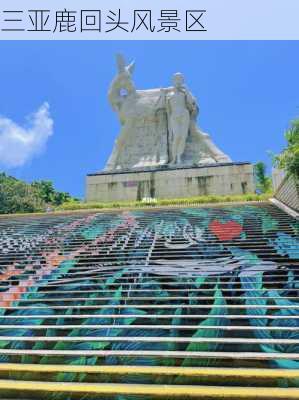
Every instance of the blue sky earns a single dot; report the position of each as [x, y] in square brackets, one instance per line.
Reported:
[247, 93]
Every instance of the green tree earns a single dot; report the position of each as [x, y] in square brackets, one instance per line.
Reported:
[17, 196]
[45, 190]
[49, 195]
[264, 182]
[288, 159]
[62, 197]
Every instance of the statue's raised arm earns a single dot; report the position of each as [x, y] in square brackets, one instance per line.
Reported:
[122, 84]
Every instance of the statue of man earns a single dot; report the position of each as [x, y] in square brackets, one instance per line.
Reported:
[181, 109]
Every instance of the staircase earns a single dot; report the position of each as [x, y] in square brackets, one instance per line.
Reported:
[174, 303]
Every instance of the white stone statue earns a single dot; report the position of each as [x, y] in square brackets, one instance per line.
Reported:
[180, 108]
[158, 126]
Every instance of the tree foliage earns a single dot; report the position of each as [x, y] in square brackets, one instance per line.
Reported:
[17, 196]
[264, 182]
[49, 195]
[288, 159]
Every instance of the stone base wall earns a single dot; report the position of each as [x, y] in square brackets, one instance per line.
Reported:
[220, 179]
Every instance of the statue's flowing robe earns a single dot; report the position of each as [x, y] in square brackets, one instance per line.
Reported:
[142, 141]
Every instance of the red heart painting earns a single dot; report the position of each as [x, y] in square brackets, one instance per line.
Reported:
[225, 230]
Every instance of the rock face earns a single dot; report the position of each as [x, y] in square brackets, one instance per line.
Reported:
[158, 126]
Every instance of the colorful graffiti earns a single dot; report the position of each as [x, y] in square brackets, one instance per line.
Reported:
[174, 287]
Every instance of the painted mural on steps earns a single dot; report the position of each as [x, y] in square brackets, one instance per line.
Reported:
[211, 281]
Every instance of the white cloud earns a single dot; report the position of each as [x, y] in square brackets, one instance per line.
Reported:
[19, 144]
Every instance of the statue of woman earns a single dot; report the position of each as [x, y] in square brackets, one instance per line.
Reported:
[121, 88]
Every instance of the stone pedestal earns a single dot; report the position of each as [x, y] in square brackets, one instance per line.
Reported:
[166, 182]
